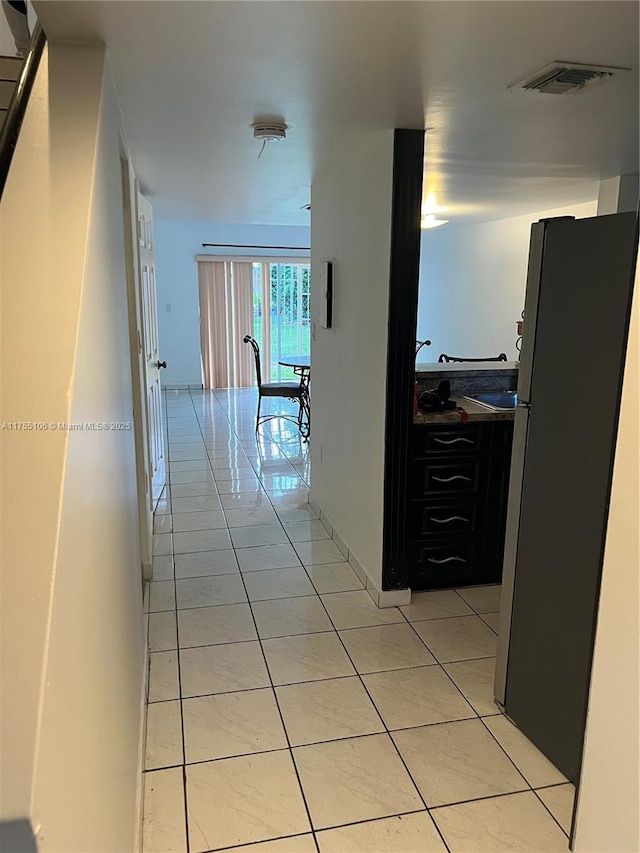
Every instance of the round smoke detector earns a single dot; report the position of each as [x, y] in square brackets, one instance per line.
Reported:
[269, 131]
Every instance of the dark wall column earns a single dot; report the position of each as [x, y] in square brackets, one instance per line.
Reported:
[408, 168]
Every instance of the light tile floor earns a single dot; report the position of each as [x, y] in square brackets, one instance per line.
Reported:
[288, 714]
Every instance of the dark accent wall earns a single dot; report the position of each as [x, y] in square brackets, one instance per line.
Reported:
[404, 268]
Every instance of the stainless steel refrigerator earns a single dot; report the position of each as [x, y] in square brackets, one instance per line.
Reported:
[577, 308]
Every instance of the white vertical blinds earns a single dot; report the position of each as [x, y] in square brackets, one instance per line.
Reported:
[226, 316]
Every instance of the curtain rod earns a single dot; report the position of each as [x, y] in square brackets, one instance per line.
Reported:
[240, 246]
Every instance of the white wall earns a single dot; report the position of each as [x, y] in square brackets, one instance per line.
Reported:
[7, 44]
[351, 224]
[618, 194]
[177, 242]
[26, 558]
[72, 625]
[40, 313]
[608, 815]
[472, 284]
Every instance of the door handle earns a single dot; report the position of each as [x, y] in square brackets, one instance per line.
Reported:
[160, 364]
[452, 478]
[445, 560]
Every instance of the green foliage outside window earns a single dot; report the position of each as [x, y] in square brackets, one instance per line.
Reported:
[290, 319]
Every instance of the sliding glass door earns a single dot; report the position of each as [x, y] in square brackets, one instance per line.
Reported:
[281, 314]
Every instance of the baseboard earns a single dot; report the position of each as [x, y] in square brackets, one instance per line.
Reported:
[182, 387]
[139, 812]
[393, 597]
[380, 597]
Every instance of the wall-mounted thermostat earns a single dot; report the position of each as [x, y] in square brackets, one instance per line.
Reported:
[325, 283]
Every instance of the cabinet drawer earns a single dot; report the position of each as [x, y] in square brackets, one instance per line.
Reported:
[442, 519]
[448, 558]
[455, 562]
[437, 477]
[459, 440]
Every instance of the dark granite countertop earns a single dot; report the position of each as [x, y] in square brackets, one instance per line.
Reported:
[481, 369]
[475, 412]
[466, 378]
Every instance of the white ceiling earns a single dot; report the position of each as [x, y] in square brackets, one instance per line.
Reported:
[193, 76]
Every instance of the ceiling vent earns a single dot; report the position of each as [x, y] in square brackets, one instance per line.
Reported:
[563, 78]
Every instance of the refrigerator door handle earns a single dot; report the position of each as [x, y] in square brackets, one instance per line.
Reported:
[534, 271]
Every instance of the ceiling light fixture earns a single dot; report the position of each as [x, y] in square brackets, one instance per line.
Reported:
[430, 206]
[269, 130]
[430, 221]
[429, 209]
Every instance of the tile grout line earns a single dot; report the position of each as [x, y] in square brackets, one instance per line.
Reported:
[498, 713]
[447, 674]
[442, 664]
[315, 742]
[256, 843]
[282, 722]
[179, 662]
[326, 678]
[477, 715]
[476, 613]
[520, 773]
[271, 440]
[386, 730]
[545, 806]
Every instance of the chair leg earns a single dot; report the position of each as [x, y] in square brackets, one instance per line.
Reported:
[304, 424]
[258, 415]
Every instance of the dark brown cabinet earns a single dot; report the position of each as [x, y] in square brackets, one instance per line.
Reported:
[456, 503]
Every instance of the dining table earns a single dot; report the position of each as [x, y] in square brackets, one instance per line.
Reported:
[301, 365]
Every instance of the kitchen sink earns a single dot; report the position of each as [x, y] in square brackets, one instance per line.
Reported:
[495, 399]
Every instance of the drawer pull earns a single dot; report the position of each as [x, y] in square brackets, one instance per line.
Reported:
[453, 440]
[452, 478]
[446, 560]
[450, 519]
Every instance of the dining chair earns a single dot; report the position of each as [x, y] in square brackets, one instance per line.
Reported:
[449, 358]
[290, 390]
[420, 344]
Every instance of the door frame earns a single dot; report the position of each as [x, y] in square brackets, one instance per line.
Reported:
[147, 299]
[140, 419]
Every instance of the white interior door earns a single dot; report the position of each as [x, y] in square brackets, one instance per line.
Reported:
[151, 356]
[138, 367]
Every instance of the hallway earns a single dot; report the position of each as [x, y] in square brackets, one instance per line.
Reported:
[286, 710]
